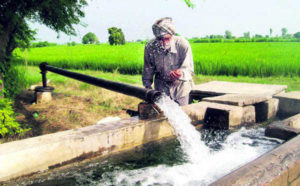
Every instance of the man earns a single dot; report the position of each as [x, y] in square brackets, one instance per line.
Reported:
[168, 58]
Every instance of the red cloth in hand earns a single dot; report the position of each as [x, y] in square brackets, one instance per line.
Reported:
[175, 74]
[148, 87]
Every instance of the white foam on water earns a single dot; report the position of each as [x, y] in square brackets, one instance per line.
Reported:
[237, 150]
[203, 166]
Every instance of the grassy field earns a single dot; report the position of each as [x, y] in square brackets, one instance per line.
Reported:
[233, 59]
[31, 75]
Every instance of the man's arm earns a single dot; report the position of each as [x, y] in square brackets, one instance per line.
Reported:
[148, 71]
[187, 66]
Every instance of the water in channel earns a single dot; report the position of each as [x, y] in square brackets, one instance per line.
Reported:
[194, 158]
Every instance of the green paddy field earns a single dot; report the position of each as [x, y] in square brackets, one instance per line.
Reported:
[230, 59]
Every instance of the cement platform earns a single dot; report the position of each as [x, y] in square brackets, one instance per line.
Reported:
[239, 99]
[289, 103]
[216, 88]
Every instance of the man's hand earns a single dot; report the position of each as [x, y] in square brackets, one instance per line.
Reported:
[148, 87]
[175, 74]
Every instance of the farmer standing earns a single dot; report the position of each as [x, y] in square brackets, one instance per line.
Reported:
[168, 58]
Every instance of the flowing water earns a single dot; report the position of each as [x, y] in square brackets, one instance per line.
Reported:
[188, 136]
[195, 158]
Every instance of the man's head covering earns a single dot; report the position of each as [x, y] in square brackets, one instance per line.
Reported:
[163, 27]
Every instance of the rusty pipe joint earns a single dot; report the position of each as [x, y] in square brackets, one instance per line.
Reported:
[152, 95]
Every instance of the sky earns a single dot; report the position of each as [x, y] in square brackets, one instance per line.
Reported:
[135, 18]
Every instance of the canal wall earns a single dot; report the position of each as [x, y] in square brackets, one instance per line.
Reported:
[36, 154]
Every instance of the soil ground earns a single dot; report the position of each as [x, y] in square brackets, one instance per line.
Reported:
[67, 111]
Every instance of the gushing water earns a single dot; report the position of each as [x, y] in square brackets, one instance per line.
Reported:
[188, 136]
[203, 166]
[239, 148]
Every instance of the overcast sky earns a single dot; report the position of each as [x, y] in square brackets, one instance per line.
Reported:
[135, 18]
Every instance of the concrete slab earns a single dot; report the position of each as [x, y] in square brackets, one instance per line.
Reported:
[290, 95]
[289, 103]
[196, 112]
[266, 110]
[281, 131]
[220, 115]
[284, 129]
[249, 115]
[239, 99]
[293, 121]
[222, 87]
[223, 118]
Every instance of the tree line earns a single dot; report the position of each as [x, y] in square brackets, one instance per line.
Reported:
[228, 37]
[117, 37]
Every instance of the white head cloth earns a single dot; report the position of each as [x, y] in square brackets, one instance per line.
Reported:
[163, 26]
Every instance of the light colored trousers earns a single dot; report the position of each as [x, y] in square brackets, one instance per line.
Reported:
[183, 100]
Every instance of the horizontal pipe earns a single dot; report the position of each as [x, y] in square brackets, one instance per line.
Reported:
[148, 95]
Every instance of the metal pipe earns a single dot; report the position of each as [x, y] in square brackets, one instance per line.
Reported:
[148, 95]
[44, 79]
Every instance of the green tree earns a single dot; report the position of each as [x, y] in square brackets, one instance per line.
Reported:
[189, 3]
[258, 36]
[297, 35]
[89, 38]
[284, 32]
[228, 34]
[73, 43]
[116, 36]
[14, 29]
[247, 35]
[288, 36]
[216, 36]
[271, 32]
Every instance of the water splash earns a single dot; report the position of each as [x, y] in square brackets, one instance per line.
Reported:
[239, 148]
[203, 166]
[186, 133]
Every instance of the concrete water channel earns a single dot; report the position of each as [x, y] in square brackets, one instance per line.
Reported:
[222, 105]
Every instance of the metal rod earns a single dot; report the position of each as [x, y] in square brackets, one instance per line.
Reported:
[148, 95]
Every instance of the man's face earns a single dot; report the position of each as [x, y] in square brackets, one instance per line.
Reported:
[165, 40]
